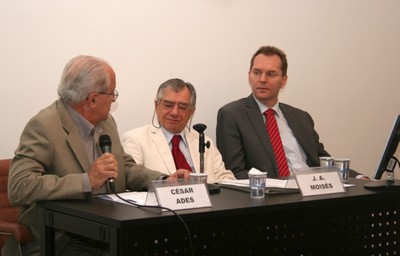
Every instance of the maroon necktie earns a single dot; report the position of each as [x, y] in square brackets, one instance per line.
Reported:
[276, 141]
[179, 158]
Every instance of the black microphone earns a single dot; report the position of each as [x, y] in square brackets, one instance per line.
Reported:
[105, 143]
[200, 128]
[105, 146]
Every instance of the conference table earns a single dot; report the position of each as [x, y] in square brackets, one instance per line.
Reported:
[356, 222]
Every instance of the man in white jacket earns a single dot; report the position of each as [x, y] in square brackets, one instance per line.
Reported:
[151, 145]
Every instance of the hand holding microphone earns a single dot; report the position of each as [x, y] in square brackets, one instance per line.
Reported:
[105, 146]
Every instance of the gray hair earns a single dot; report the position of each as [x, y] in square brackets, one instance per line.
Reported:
[177, 85]
[82, 76]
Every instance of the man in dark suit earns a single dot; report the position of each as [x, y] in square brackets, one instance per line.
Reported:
[242, 136]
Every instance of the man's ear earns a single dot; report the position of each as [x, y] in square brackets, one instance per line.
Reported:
[91, 99]
[284, 81]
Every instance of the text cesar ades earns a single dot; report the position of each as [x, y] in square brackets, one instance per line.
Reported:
[183, 191]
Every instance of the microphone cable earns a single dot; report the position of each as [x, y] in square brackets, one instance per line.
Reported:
[112, 187]
[105, 146]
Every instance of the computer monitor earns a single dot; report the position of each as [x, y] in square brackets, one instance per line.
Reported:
[390, 149]
[388, 161]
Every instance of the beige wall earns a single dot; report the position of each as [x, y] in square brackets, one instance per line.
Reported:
[344, 60]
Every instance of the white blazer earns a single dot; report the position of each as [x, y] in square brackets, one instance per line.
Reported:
[149, 147]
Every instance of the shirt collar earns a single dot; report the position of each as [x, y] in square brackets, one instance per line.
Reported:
[264, 108]
[85, 128]
[169, 135]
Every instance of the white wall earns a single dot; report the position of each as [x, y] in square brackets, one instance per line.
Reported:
[344, 59]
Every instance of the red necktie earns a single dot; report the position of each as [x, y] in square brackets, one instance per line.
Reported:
[276, 141]
[179, 158]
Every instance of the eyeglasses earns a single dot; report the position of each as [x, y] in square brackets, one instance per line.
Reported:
[169, 105]
[115, 94]
[269, 74]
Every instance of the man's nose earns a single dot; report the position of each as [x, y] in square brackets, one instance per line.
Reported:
[175, 110]
[264, 77]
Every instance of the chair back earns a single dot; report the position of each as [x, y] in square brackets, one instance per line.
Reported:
[8, 213]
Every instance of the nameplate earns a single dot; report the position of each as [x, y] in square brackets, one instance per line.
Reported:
[182, 197]
[319, 181]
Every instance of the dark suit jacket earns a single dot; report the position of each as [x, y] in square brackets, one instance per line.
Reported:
[244, 143]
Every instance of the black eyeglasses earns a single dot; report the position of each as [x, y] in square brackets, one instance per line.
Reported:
[115, 94]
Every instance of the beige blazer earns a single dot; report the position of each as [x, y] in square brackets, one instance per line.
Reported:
[49, 163]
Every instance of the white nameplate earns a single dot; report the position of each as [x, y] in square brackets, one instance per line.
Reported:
[183, 196]
[319, 183]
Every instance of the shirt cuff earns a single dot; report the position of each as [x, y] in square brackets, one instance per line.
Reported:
[162, 177]
[87, 188]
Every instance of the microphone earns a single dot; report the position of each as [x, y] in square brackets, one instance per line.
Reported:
[200, 128]
[105, 146]
[105, 143]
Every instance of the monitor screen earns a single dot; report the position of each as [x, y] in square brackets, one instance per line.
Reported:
[390, 149]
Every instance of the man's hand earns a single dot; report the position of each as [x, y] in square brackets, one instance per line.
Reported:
[105, 167]
[180, 174]
[364, 178]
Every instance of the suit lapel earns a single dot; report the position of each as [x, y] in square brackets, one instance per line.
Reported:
[74, 138]
[295, 125]
[75, 142]
[256, 120]
[193, 144]
[161, 145]
[292, 121]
